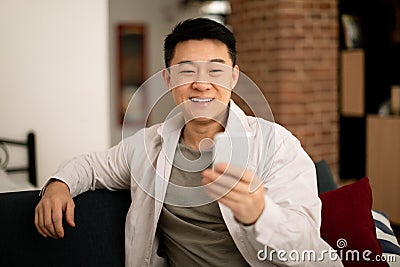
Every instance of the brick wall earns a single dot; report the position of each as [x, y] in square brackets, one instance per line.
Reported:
[289, 49]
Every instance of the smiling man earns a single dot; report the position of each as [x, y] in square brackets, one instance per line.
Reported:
[183, 212]
[200, 80]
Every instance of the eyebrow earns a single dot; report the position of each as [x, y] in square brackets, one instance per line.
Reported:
[218, 60]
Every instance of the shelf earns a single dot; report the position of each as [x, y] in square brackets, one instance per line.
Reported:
[352, 83]
[383, 163]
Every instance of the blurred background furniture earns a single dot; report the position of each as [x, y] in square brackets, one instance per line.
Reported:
[383, 163]
[14, 175]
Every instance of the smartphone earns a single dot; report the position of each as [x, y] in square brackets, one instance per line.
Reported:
[233, 149]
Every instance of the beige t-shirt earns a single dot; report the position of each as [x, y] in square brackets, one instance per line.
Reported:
[195, 236]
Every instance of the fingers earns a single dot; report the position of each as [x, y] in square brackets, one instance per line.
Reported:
[241, 173]
[69, 213]
[50, 210]
[235, 171]
[50, 220]
[49, 215]
[54, 223]
[225, 186]
[217, 192]
[44, 222]
[222, 199]
[225, 180]
[232, 186]
[39, 222]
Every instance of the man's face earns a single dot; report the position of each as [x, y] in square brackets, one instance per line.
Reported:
[201, 78]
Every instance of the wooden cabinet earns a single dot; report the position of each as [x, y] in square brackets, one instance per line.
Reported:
[352, 83]
[365, 77]
[352, 114]
[383, 163]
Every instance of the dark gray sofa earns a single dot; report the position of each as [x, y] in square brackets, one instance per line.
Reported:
[97, 239]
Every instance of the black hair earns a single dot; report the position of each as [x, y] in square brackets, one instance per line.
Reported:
[198, 29]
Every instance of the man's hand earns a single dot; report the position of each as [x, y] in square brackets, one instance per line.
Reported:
[49, 212]
[230, 185]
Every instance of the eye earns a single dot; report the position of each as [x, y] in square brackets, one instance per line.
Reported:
[215, 72]
[186, 71]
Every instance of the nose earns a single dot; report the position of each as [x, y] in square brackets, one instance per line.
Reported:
[201, 86]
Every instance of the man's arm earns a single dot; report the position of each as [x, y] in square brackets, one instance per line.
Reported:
[285, 213]
[106, 169]
[99, 170]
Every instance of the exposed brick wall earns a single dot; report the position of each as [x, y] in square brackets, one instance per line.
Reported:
[289, 49]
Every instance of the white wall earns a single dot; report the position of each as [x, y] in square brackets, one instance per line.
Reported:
[54, 77]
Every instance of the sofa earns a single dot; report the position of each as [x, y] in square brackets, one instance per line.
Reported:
[98, 238]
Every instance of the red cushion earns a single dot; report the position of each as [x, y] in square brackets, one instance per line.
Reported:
[347, 223]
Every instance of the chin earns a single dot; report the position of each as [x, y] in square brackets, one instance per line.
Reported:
[205, 117]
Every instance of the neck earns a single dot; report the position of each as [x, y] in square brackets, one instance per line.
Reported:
[198, 134]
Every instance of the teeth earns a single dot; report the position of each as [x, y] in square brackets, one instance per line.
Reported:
[195, 99]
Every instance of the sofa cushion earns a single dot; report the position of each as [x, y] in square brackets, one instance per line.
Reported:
[347, 224]
[97, 239]
[325, 180]
[387, 238]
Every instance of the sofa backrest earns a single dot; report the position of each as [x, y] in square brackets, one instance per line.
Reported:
[97, 239]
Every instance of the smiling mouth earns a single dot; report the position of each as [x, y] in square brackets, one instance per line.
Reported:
[200, 100]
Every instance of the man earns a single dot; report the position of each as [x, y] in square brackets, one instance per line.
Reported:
[167, 225]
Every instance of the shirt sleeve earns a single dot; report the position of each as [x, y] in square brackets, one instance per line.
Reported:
[291, 218]
[98, 170]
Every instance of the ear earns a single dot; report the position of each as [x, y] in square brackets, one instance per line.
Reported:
[235, 76]
[167, 78]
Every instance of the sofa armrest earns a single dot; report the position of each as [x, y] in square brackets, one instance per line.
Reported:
[97, 239]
